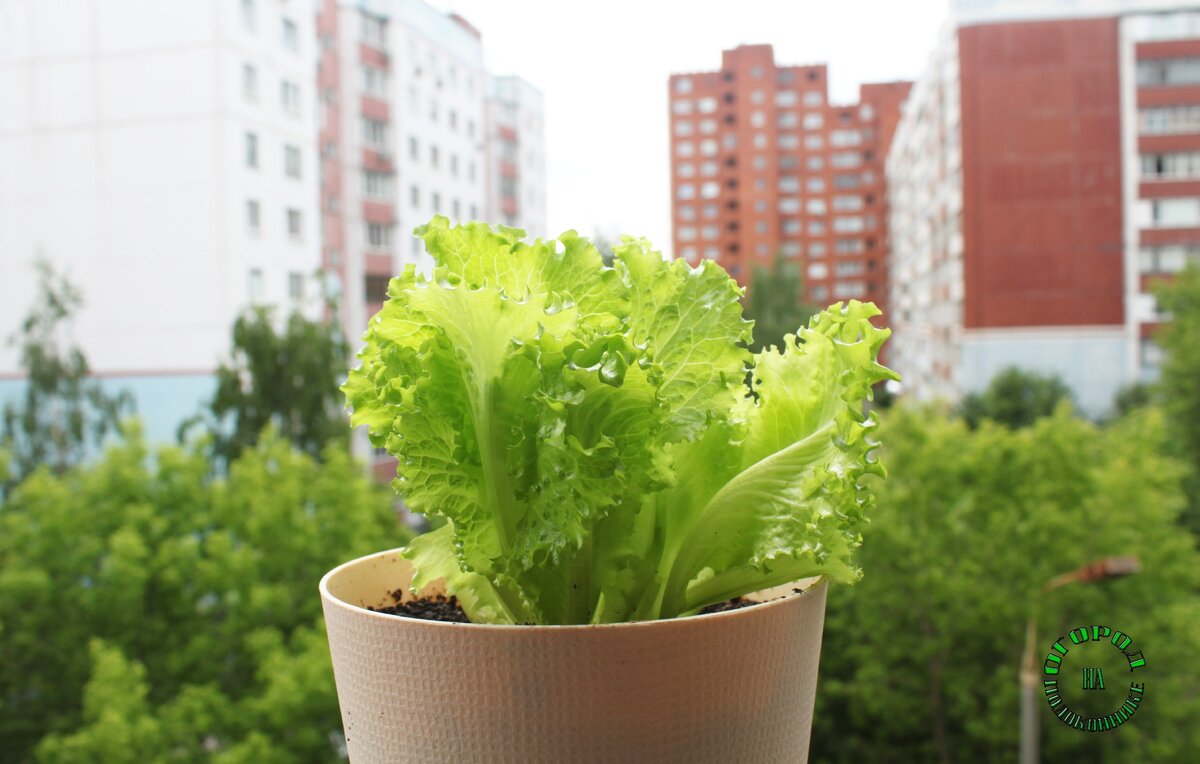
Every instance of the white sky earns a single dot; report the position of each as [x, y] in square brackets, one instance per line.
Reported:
[603, 68]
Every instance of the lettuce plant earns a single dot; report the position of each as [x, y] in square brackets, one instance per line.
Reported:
[599, 442]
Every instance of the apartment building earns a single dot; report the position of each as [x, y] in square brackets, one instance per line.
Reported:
[516, 189]
[168, 167]
[412, 126]
[762, 165]
[1041, 178]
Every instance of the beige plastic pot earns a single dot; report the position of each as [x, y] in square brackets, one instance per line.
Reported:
[727, 687]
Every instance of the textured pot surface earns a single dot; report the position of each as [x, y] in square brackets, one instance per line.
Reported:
[728, 687]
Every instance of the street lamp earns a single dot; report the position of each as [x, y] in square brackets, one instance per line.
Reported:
[1101, 570]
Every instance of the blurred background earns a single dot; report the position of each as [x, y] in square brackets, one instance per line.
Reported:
[202, 202]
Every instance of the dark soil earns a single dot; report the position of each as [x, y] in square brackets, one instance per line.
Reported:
[447, 609]
[439, 608]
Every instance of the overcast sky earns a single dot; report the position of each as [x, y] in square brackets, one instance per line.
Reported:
[603, 68]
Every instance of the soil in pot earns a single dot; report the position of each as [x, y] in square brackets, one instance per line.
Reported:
[447, 609]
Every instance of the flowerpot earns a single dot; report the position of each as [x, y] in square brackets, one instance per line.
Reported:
[736, 686]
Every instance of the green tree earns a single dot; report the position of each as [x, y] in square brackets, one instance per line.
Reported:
[1015, 398]
[920, 659]
[1180, 381]
[288, 380]
[775, 302]
[63, 411]
[188, 599]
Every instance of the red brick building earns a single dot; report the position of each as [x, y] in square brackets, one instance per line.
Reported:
[1045, 172]
[762, 165]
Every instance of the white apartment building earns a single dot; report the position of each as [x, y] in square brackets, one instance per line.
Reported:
[162, 156]
[516, 191]
[1044, 174]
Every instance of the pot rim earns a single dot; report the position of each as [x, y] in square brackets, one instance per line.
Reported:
[810, 585]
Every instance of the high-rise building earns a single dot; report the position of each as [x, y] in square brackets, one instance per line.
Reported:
[1046, 169]
[163, 157]
[413, 126]
[762, 165]
[516, 156]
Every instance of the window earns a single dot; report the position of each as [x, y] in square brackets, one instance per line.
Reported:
[414, 148]
[686, 191]
[813, 98]
[729, 141]
[850, 224]
[414, 195]
[291, 161]
[1174, 166]
[454, 165]
[813, 121]
[294, 224]
[1168, 259]
[248, 15]
[792, 249]
[377, 185]
[816, 228]
[788, 120]
[436, 200]
[684, 149]
[1169, 120]
[846, 181]
[452, 118]
[706, 105]
[379, 236]
[815, 206]
[375, 291]
[848, 268]
[1168, 71]
[866, 113]
[373, 30]
[683, 85]
[789, 142]
[845, 159]
[687, 232]
[687, 212]
[253, 217]
[760, 162]
[815, 163]
[847, 203]
[789, 205]
[710, 231]
[710, 189]
[688, 253]
[375, 133]
[817, 249]
[756, 72]
[813, 141]
[708, 126]
[686, 170]
[756, 97]
[708, 147]
[757, 119]
[710, 210]
[249, 82]
[291, 35]
[785, 98]
[254, 285]
[681, 107]
[815, 185]
[844, 289]
[760, 140]
[683, 128]
[818, 270]
[296, 285]
[845, 138]
[374, 81]
[1169, 213]
[848, 246]
[789, 184]
[251, 150]
[709, 168]
[289, 97]
[712, 253]
[433, 156]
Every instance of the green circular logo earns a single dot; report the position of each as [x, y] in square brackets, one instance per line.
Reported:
[1084, 674]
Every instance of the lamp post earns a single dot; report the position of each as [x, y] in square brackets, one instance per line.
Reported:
[1101, 570]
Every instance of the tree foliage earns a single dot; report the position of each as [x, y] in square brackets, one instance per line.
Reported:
[64, 411]
[921, 658]
[286, 379]
[150, 611]
[1179, 385]
[1015, 398]
[775, 302]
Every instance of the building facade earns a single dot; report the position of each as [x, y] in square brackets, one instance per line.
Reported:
[1030, 211]
[168, 167]
[762, 165]
[516, 144]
